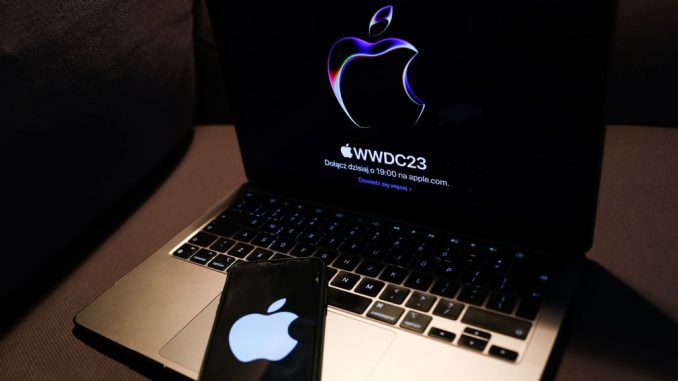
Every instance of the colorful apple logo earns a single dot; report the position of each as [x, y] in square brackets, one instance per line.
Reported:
[349, 49]
[346, 152]
[256, 336]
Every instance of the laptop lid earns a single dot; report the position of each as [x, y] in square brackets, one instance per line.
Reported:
[479, 117]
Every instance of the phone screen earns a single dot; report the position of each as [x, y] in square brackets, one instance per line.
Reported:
[270, 323]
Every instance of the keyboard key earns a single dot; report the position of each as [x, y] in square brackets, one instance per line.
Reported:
[334, 226]
[310, 236]
[471, 260]
[422, 248]
[185, 251]
[502, 303]
[477, 333]
[447, 269]
[376, 253]
[419, 281]
[415, 321]
[422, 263]
[245, 235]
[263, 240]
[497, 265]
[420, 301]
[394, 274]
[503, 353]
[529, 307]
[294, 218]
[352, 247]
[290, 231]
[394, 294]
[231, 217]
[477, 277]
[441, 334]
[448, 309]
[326, 255]
[399, 258]
[385, 312]
[283, 245]
[203, 256]
[259, 254]
[503, 283]
[202, 239]
[240, 250]
[497, 323]
[369, 287]
[345, 280]
[347, 262]
[375, 237]
[472, 342]
[271, 227]
[347, 301]
[331, 241]
[445, 253]
[473, 294]
[254, 222]
[313, 222]
[398, 242]
[453, 242]
[222, 229]
[369, 268]
[276, 214]
[303, 250]
[354, 231]
[222, 262]
[444, 287]
[222, 245]
[523, 264]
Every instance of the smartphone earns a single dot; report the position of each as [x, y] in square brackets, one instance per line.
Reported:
[270, 323]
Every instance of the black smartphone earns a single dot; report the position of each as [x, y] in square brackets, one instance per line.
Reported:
[270, 323]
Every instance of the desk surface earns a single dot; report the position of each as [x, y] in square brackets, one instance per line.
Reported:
[622, 326]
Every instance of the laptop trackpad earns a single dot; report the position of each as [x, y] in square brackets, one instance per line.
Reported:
[352, 347]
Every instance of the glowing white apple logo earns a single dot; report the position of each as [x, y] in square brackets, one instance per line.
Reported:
[256, 336]
[346, 152]
[349, 49]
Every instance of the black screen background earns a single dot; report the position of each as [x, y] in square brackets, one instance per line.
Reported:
[514, 96]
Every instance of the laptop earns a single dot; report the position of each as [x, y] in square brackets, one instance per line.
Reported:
[443, 160]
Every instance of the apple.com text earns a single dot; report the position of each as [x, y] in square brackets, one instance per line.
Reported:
[418, 179]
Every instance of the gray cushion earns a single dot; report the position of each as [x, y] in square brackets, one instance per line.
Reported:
[93, 96]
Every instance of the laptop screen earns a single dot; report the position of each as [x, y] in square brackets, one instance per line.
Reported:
[479, 116]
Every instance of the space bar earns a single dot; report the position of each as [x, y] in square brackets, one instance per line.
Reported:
[347, 301]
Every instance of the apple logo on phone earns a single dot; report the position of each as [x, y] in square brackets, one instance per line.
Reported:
[257, 336]
[348, 49]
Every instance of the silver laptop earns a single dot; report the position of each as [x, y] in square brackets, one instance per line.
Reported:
[441, 158]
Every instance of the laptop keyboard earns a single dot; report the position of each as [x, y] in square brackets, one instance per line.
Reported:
[395, 274]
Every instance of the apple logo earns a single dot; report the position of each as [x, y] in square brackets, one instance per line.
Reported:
[346, 151]
[349, 49]
[256, 336]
